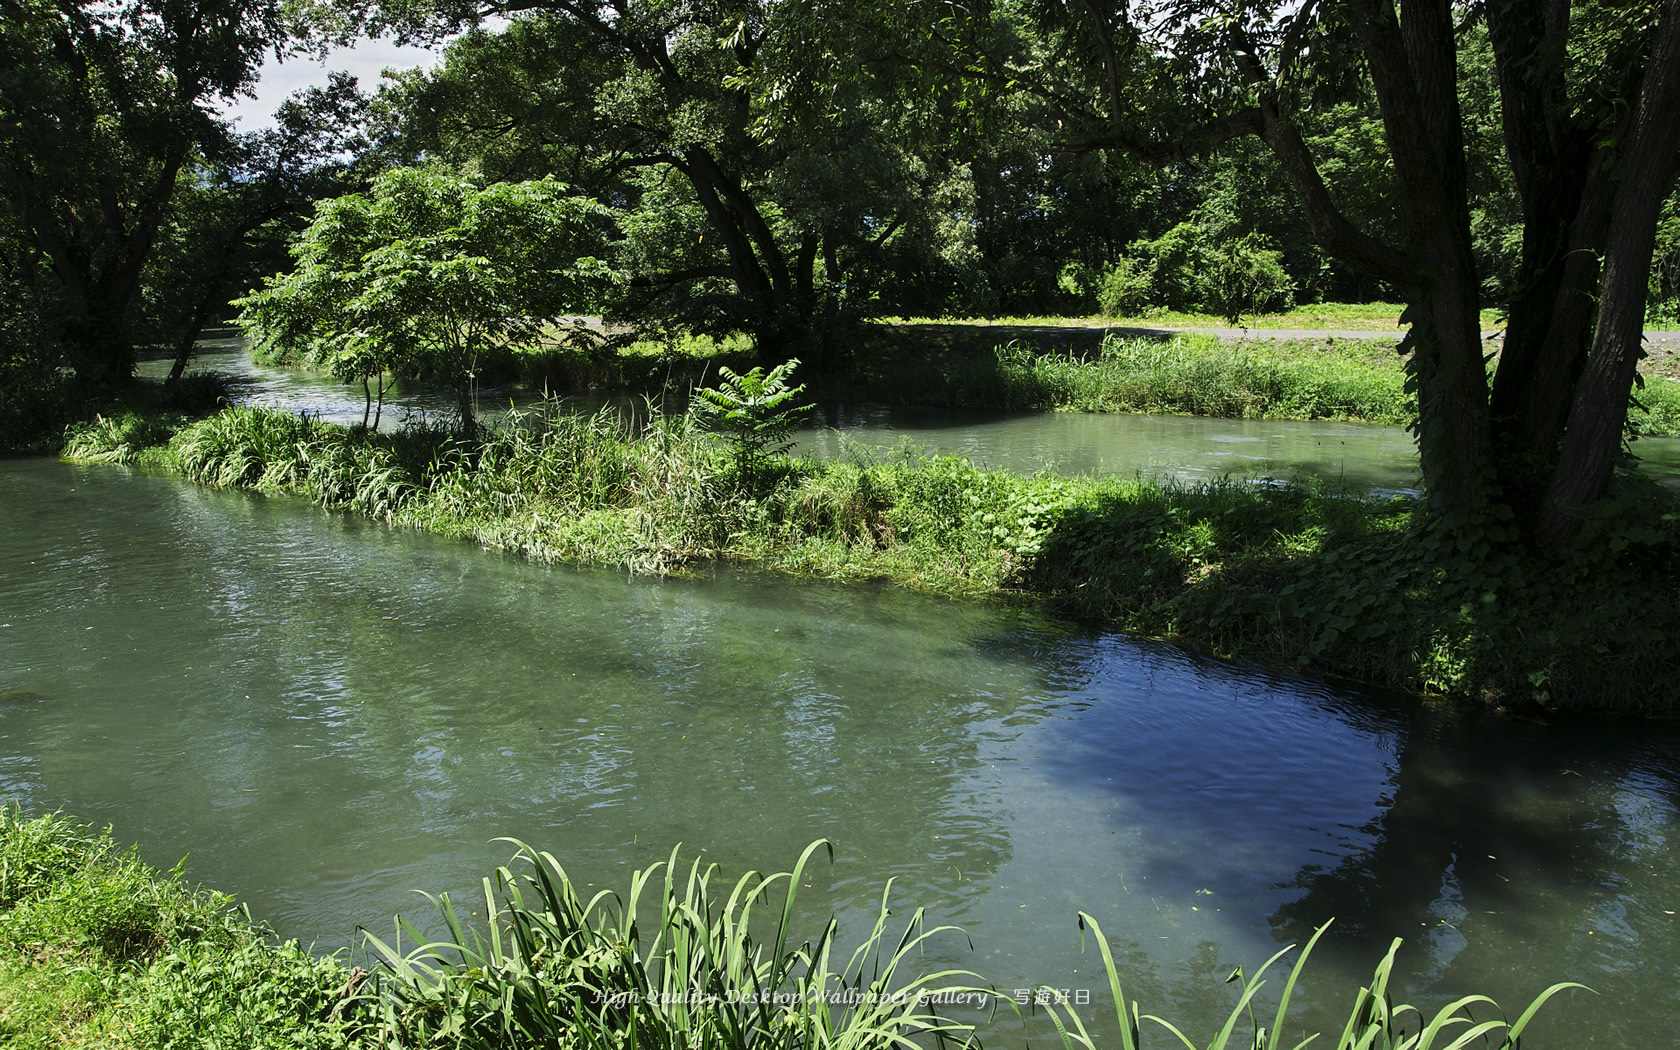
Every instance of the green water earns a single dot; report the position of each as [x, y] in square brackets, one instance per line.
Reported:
[1183, 447]
[1354, 456]
[324, 716]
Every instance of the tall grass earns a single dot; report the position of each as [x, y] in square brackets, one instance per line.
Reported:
[675, 963]
[1200, 376]
[1374, 1023]
[1187, 374]
[99, 950]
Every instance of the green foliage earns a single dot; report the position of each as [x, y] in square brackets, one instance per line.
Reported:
[755, 412]
[1662, 305]
[1188, 268]
[100, 949]
[1295, 574]
[426, 273]
[1374, 1022]
[675, 963]
[1127, 289]
[1188, 374]
[105, 111]
[119, 439]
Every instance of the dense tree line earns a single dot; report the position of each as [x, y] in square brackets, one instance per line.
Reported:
[783, 168]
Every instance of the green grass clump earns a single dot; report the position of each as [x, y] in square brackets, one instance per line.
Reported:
[1374, 1021]
[1188, 375]
[1200, 376]
[675, 963]
[1370, 317]
[98, 949]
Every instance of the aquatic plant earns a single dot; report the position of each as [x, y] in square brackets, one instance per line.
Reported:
[682, 969]
[1375, 1022]
[1300, 574]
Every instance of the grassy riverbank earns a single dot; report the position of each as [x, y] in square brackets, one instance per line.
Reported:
[1055, 364]
[1184, 375]
[1065, 368]
[1296, 576]
[99, 950]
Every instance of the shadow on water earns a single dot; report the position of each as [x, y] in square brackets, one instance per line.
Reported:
[1508, 854]
[1512, 854]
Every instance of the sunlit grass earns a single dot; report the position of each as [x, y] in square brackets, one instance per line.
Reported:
[1375, 1022]
[679, 961]
[99, 950]
[1371, 317]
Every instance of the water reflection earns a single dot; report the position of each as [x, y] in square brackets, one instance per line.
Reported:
[325, 715]
[1510, 854]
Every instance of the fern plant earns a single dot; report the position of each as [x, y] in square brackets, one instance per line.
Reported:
[755, 412]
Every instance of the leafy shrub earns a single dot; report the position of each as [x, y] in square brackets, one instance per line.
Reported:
[1191, 268]
[1246, 277]
[754, 411]
[1127, 288]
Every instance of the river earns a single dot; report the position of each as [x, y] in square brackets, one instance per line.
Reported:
[324, 716]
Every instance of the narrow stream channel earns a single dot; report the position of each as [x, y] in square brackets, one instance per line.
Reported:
[324, 716]
[1356, 457]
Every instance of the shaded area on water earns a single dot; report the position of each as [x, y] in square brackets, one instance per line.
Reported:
[325, 716]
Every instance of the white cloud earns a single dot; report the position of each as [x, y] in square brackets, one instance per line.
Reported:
[366, 60]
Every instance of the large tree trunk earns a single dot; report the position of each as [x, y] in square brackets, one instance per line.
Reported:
[96, 336]
[1598, 412]
[780, 296]
[1413, 60]
[1446, 366]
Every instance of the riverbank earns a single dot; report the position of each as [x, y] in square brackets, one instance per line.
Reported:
[97, 949]
[1062, 367]
[1301, 577]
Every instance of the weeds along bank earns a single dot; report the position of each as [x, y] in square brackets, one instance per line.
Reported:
[966, 366]
[99, 950]
[1353, 380]
[1296, 576]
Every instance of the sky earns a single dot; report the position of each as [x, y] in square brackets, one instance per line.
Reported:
[366, 60]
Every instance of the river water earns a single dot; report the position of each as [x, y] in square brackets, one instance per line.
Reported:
[1352, 456]
[324, 716]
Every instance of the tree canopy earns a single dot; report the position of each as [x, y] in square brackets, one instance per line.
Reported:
[1588, 94]
[104, 107]
[781, 168]
[426, 271]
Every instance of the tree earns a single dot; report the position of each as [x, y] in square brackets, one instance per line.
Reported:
[743, 211]
[1589, 94]
[427, 271]
[235, 212]
[103, 106]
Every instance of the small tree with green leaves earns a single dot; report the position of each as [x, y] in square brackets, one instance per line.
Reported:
[755, 413]
[426, 272]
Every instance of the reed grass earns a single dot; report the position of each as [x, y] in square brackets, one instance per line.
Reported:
[1200, 376]
[1375, 1022]
[675, 963]
[99, 950]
